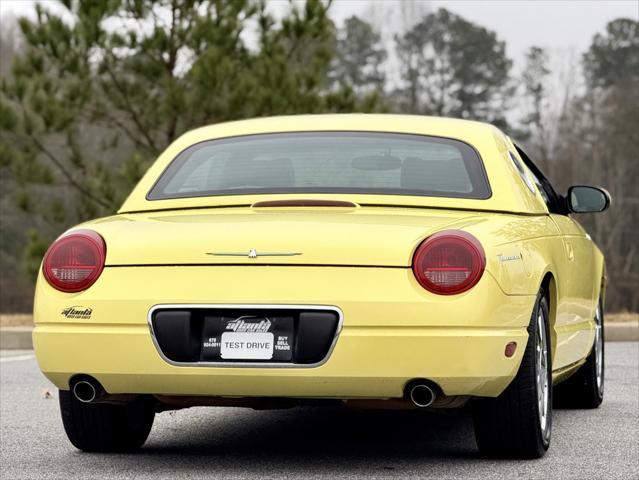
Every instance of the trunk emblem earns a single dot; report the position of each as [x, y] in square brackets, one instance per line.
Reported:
[252, 253]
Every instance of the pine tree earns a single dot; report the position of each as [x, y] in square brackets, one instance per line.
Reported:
[360, 57]
[452, 67]
[93, 100]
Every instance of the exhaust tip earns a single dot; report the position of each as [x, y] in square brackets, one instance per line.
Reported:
[84, 391]
[422, 395]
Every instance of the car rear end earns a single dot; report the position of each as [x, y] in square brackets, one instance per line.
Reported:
[289, 263]
[329, 330]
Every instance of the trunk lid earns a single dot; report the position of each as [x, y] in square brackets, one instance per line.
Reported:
[362, 236]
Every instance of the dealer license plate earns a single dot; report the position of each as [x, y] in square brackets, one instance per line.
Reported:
[247, 346]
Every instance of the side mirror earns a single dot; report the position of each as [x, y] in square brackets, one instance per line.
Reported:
[584, 199]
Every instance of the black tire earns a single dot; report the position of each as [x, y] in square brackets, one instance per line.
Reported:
[103, 427]
[582, 390]
[510, 425]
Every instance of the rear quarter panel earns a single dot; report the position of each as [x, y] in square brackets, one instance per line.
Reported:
[523, 251]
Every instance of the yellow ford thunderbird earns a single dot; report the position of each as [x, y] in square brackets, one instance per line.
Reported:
[362, 260]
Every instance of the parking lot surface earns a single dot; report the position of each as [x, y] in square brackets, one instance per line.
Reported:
[316, 443]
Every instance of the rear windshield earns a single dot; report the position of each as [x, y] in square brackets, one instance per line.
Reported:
[325, 162]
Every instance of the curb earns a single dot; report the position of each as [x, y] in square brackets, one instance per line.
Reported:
[19, 338]
[16, 338]
[621, 332]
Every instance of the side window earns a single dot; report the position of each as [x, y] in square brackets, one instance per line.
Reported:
[540, 187]
[554, 201]
[522, 172]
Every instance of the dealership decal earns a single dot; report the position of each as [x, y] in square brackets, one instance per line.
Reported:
[211, 342]
[282, 343]
[77, 312]
[239, 325]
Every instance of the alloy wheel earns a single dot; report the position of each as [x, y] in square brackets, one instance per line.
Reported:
[541, 372]
[599, 349]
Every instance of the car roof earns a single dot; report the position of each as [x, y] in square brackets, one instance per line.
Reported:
[509, 193]
[376, 122]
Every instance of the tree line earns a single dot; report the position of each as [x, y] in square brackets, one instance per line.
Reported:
[92, 91]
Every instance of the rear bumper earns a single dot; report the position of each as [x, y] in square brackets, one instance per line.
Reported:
[366, 363]
[393, 332]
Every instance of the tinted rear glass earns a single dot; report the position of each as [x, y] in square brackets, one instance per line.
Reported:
[325, 162]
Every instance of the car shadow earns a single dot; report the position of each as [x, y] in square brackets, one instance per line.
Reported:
[311, 437]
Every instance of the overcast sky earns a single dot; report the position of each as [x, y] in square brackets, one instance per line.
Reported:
[565, 28]
[565, 25]
[559, 25]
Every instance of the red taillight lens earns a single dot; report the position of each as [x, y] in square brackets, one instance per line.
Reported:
[449, 262]
[74, 262]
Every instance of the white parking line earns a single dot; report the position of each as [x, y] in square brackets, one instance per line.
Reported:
[16, 358]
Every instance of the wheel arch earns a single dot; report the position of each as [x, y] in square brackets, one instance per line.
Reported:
[601, 293]
[549, 286]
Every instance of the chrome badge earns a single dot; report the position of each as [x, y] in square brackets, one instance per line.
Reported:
[252, 253]
[508, 258]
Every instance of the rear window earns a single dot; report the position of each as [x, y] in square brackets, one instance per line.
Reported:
[325, 162]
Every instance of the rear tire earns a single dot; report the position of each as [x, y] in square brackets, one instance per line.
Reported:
[585, 388]
[103, 427]
[518, 423]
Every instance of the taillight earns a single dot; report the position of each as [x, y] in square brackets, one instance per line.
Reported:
[449, 262]
[75, 261]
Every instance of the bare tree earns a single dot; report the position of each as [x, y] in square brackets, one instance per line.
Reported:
[10, 41]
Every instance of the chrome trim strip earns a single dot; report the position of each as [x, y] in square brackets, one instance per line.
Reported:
[250, 306]
[254, 254]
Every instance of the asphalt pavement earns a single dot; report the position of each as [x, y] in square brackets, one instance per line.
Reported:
[314, 442]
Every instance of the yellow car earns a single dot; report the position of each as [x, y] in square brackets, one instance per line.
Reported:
[364, 260]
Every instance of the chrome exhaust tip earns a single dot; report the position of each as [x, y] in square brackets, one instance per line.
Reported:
[422, 395]
[87, 391]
